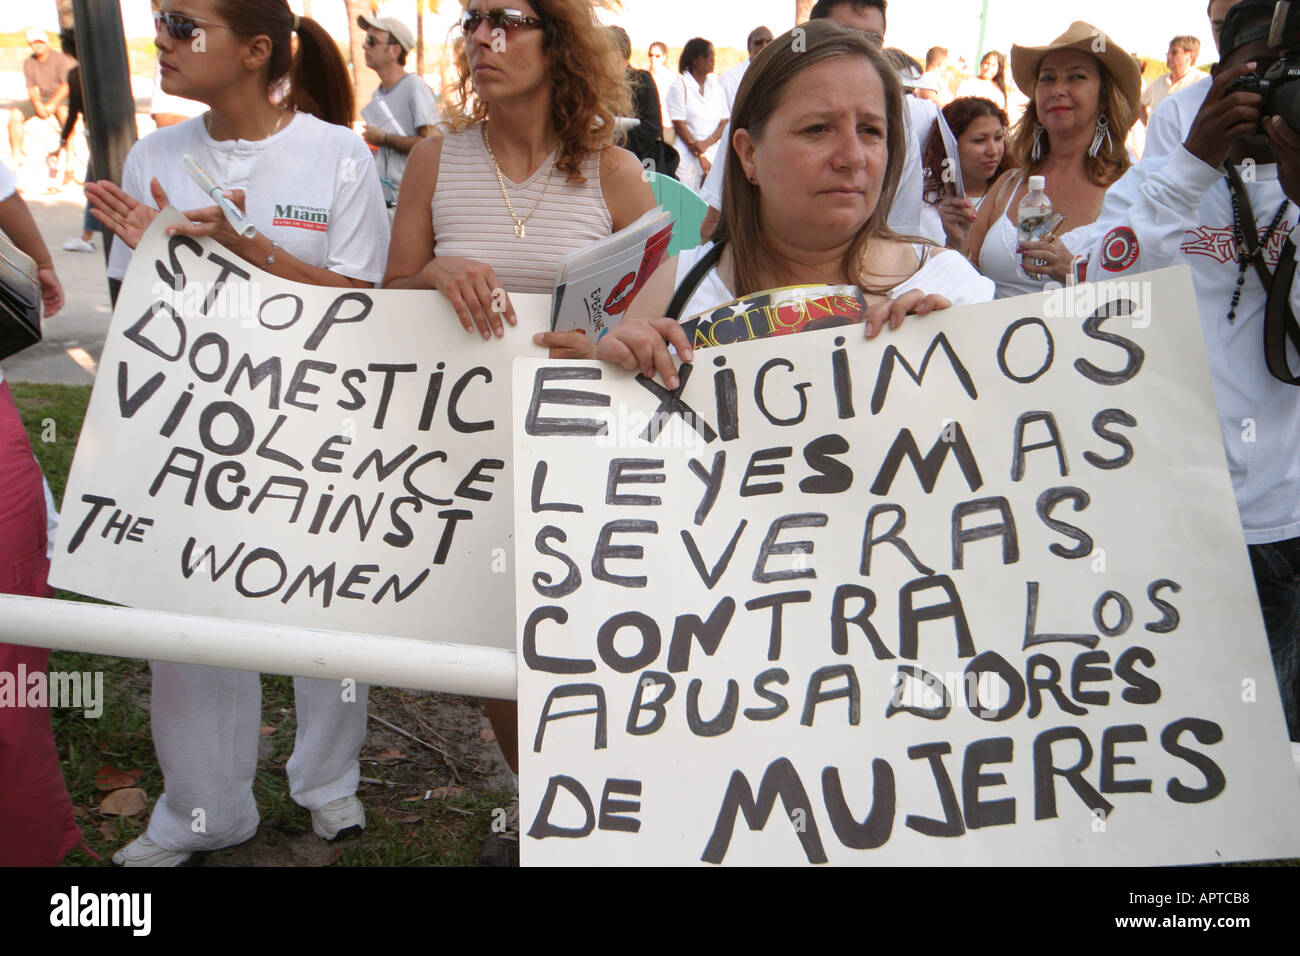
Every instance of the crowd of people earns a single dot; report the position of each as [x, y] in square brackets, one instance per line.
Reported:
[822, 159]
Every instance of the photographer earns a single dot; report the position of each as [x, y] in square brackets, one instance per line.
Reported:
[1222, 203]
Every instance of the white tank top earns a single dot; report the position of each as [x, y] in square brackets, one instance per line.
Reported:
[999, 261]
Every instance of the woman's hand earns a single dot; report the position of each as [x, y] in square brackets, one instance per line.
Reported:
[705, 165]
[567, 345]
[210, 221]
[51, 290]
[1222, 118]
[126, 216]
[893, 311]
[1046, 260]
[643, 344]
[474, 292]
[958, 215]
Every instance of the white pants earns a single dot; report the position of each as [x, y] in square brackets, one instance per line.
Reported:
[205, 731]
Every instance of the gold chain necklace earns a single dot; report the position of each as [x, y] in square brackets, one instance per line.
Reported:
[519, 223]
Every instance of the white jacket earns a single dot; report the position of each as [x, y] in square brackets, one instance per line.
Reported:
[1177, 210]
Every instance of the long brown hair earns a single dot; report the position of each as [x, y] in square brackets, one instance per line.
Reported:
[589, 86]
[758, 97]
[959, 114]
[1110, 162]
[318, 77]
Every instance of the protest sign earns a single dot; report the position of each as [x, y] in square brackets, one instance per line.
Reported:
[264, 450]
[973, 592]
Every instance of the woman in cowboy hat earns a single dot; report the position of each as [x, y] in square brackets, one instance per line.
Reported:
[1084, 94]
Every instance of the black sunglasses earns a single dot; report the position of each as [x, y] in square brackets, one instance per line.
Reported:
[180, 26]
[498, 19]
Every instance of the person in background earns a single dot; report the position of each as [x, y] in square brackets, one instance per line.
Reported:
[936, 67]
[37, 827]
[45, 75]
[1161, 214]
[645, 139]
[816, 154]
[664, 77]
[1181, 60]
[205, 719]
[402, 110]
[1170, 121]
[981, 130]
[76, 108]
[868, 18]
[1081, 107]
[758, 38]
[991, 84]
[698, 110]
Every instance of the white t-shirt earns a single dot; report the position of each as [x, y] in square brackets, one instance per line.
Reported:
[984, 89]
[905, 213]
[311, 187]
[663, 78]
[943, 272]
[702, 112]
[731, 82]
[1163, 86]
[411, 105]
[1172, 119]
[1176, 210]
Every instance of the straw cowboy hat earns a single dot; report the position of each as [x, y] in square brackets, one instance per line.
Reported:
[1123, 69]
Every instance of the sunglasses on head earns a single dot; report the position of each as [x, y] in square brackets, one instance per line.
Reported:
[180, 26]
[498, 19]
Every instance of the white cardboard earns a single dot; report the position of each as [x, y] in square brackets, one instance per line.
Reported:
[465, 598]
[1167, 515]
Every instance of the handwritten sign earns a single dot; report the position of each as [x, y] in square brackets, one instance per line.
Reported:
[973, 592]
[264, 450]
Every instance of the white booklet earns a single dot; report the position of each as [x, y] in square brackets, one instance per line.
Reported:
[595, 284]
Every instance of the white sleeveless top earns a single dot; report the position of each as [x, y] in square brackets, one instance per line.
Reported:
[944, 272]
[470, 218]
[999, 261]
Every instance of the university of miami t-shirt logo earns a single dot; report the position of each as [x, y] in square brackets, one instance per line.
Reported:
[301, 217]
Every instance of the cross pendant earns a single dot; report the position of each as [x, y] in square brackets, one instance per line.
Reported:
[519, 230]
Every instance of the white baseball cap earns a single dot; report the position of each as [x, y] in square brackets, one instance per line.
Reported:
[36, 35]
[400, 31]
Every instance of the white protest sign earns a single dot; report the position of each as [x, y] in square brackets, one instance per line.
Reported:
[974, 592]
[264, 450]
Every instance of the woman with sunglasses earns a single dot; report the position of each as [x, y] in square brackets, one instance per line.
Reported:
[301, 153]
[528, 172]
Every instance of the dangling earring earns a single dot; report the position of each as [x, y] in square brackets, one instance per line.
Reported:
[1036, 152]
[1103, 132]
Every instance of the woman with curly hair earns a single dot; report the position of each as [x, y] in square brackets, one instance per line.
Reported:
[980, 128]
[526, 174]
[1084, 94]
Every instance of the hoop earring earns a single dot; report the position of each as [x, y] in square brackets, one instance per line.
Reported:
[1103, 133]
[1036, 151]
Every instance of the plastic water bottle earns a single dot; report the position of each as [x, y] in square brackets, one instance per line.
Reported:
[1032, 214]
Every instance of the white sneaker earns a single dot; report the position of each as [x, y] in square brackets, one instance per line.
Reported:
[339, 818]
[144, 852]
[77, 244]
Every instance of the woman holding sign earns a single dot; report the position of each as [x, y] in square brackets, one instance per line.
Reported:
[299, 168]
[814, 163]
[528, 171]
[527, 174]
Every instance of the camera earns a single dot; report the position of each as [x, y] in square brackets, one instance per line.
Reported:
[1278, 87]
